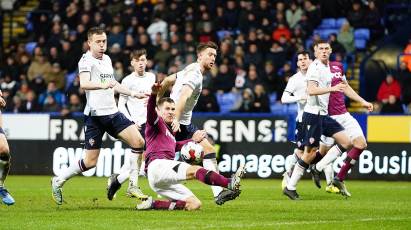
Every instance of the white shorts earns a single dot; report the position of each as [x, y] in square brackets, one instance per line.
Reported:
[164, 177]
[350, 125]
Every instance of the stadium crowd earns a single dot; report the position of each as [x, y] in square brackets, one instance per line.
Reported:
[257, 41]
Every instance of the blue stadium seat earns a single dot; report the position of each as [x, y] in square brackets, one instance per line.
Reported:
[327, 23]
[292, 108]
[339, 22]
[30, 47]
[360, 44]
[272, 97]
[227, 101]
[362, 33]
[278, 108]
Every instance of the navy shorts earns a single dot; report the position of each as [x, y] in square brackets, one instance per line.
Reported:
[314, 125]
[186, 132]
[299, 135]
[96, 126]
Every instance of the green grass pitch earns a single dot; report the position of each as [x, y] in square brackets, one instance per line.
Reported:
[374, 205]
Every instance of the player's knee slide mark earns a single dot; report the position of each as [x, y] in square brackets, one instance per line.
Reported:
[210, 156]
[137, 150]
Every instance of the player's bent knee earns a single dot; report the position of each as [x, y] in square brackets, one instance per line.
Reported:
[360, 143]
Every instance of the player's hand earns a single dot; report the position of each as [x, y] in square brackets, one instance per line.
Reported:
[109, 84]
[139, 95]
[138, 127]
[368, 106]
[199, 135]
[175, 125]
[2, 102]
[1, 93]
[340, 87]
[155, 88]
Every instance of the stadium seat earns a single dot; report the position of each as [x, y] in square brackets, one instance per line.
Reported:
[327, 23]
[362, 33]
[273, 98]
[292, 108]
[339, 22]
[360, 44]
[227, 101]
[278, 108]
[30, 47]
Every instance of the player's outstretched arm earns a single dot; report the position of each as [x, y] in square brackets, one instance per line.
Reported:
[288, 98]
[349, 92]
[166, 84]
[152, 116]
[87, 84]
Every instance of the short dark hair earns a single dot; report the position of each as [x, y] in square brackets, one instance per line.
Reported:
[203, 46]
[94, 30]
[163, 100]
[304, 53]
[138, 53]
[321, 41]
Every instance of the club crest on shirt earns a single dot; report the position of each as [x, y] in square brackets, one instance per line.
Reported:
[311, 140]
[91, 141]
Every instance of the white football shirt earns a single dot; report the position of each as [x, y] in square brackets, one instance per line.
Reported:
[297, 85]
[100, 102]
[136, 109]
[320, 73]
[191, 76]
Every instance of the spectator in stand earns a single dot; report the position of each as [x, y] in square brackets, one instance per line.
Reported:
[56, 75]
[389, 87]
[16, 106]
[392, 106]
[30, 104]
[261, 102]
[252, 77]
[58, 96]
[75, 104]
[50, 104]
[23, 64]
[207, 102]
[306, 25]
[116, 36]
[356, 15]
[312, 12]
[39, 66]
[23, 91]
[269, 76]
[231, 15]
[346, 37]
[69, 57]
[253, 56]
[276, 55]
[163, 57]
[11, 68]
[224, 81]
[158, 26]
[293, 14]
[336, 46]
[245, 104]
[281, 31]
[372, 18]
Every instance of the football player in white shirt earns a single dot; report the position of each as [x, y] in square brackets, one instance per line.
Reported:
[186, 89]
[101, 114]
[136, 110]
[296, 92]
[316, 120]
[5, 196]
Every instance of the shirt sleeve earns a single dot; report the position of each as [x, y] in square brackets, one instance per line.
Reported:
[84, 65]
[290, 88]
[152, 117]
[192, 78]
[312, 73]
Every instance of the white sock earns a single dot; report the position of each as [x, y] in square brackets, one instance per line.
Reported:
[291, 163]
[329, 173]
[142, 167]
[330, 157]
[135, 162]
[68, 173]
[298, 172]
[211, 164]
